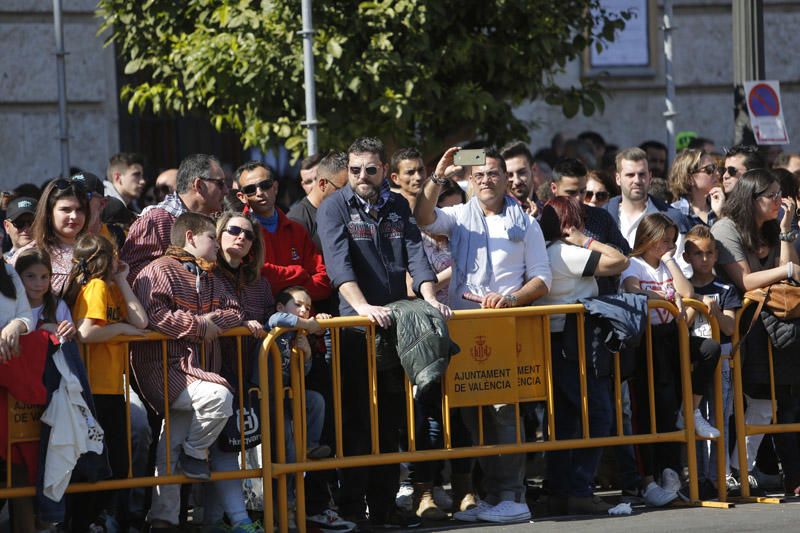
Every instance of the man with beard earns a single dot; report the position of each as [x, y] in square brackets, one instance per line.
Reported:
[633, 178]
[522, 182]
[370, 241]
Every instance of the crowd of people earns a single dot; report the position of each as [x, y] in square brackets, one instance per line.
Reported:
[88, 259]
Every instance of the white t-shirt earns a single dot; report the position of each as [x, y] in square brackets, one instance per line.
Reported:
[651, 279]
[572, 280]
[62, 313]
[513, 263]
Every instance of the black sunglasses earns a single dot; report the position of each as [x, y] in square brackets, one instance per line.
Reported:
[61, 184]
[731, 171]
[22, 223]
[370, 170]
[601, 196]
[236, 230]
[709, 169]
[251, 189]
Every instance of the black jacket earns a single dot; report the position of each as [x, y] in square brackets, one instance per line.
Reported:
[614, 323]
[418, 340]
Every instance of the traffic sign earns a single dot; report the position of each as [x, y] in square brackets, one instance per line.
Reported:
[766, 113]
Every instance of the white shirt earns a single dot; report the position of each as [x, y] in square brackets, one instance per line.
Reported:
[18, 308]
[62, 313]
[513, 263]
[651, 279]
[568, 264]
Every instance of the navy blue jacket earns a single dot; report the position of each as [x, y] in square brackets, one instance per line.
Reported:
[375, 253]
[682, 221]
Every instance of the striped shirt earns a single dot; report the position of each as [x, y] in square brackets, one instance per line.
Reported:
[148, 239]
[167, 290]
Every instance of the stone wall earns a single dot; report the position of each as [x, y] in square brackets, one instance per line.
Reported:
[29, 145]
[703, 71]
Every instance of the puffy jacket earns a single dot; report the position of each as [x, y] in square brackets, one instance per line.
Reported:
[418, 340]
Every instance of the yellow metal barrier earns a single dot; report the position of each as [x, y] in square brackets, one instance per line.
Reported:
[744, 430]
[518, 342]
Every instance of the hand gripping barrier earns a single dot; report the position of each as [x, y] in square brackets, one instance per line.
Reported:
[511, 346]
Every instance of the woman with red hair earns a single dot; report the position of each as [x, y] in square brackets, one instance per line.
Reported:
[575, 260]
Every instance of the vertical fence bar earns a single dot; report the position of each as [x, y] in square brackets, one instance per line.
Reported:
[240, 373]
[127, 376]
[167, 435]
[336, 359]
[738, 406]
[618, 394]
[280, 437]
[582, 375]
[773, 400]
[266, 438]
[651, 393]
[297, 371]
[448, 440]
[412, 440]
[548, 379]
[372, 363]
[688, 411]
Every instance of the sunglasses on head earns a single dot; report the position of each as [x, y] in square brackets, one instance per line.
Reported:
[235, 231]
[370, 170]
[62, 184]
[602, 196]
[251, 189]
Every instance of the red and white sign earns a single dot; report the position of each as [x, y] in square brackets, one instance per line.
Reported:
[766, 112]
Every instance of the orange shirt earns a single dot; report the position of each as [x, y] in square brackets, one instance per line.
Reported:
[105, 362]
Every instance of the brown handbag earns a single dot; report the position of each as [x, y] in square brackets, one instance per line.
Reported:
[781, 299]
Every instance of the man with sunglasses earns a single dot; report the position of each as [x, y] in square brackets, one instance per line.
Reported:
[200, 188]
[290, 256]
[331, 175]
[738, 160]
[17, 224]
[371, 241]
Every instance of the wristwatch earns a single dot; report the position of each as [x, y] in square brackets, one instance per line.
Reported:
[511, 299]
[789, 236]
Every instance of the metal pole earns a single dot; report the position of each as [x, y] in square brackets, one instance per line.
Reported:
[748, 60]
[308, 68]
[61, 75]
[669, 100]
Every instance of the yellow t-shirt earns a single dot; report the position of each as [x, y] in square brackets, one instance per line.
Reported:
[105, 362]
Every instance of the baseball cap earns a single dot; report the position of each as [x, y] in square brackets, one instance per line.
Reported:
[20, 206]
[91, 182]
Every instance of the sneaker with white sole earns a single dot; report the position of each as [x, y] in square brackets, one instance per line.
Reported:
[506, 511]
[701, 426]
[329, 521]
[655, 495]
[471, 515]
[670, 480]
[405, 497]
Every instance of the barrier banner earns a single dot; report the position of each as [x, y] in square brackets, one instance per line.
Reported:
[23, 419]
[484, 372]
[532, 333]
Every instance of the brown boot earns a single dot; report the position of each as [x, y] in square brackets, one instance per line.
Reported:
[463, 496]
[423, 505]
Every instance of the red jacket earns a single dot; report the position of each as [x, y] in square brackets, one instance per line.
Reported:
[291, 258]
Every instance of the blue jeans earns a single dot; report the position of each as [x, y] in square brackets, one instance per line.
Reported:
[571, 472]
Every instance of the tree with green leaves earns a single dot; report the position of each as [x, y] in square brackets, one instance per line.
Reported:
[413, 72]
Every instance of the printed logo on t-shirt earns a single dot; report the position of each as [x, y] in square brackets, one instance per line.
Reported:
[664, 288]
[361, 231]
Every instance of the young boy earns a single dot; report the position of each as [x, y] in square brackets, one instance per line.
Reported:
[186, 301]
[722, 300]
[293, 306]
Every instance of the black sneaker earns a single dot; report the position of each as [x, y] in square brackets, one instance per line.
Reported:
[193, 467]
[396, 519]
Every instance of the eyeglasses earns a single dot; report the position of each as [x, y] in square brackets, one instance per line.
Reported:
[492, 175]
[370, 170]
[62, 184]
[219, 182]
[22, 223]
[235, 231]
[601, 196]
[731, 171]
[772, 196]
[332, 184]
[710, 169]
[251, 189]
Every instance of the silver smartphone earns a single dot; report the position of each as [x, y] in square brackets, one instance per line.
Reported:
[470, 157]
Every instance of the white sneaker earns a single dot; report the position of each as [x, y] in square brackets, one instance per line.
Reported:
[703, 428]
[506, 511]
[404, 498]
[441, 498]
[329, 521]
[670, 480]
[471, 515]
[655, 496]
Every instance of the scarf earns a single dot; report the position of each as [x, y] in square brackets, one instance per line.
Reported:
[383, 197]
[469, 243]
[235, 276]
[186, 258]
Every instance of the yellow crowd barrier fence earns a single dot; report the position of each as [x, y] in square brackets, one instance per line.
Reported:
[504, 359]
